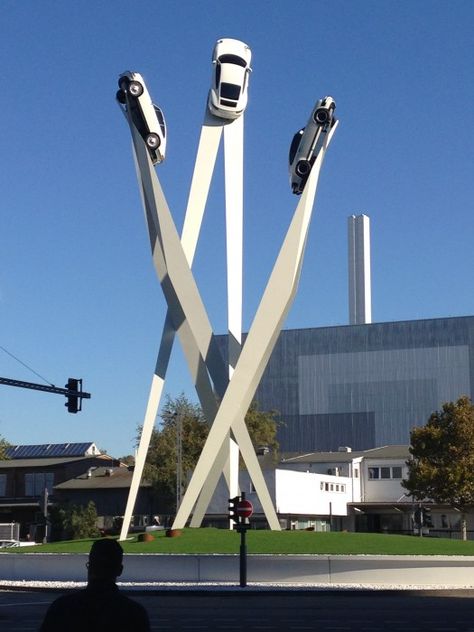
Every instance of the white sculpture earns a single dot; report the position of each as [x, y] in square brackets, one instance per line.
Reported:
[186, 315]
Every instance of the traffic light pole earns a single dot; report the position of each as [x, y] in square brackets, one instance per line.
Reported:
[242, 529]
[240, 510]
[73, 391]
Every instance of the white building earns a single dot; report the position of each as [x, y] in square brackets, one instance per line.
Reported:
[322, 489]
[357, 491]
[376, 500]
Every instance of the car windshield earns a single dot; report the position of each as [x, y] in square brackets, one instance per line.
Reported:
[230, 91]
[161, 120]
[295, 143]
[233, 59]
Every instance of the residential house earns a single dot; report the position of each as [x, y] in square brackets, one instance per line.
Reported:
[34, 477]
[108, 486]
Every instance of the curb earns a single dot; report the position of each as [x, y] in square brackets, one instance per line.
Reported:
[252, 589]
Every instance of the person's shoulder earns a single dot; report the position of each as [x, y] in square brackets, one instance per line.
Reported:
[73, 597]
[61, 610]
[130, 602]
[136, 611]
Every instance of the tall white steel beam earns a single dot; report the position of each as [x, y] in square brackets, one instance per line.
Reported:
[188, 314]
[201, 180]
[197, 200]
[360, 301]
[233, 153]
[261, 339]
[228, 462]
[234, 206]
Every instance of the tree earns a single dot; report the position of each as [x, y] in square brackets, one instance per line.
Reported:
[442, 465]
[3, 447]
[161, 464]
[128, 459]
[74, 522]
[262, 426]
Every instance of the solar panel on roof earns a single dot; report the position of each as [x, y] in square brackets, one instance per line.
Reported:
[55, 450]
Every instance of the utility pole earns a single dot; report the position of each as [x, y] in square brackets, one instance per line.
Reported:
[44, 507]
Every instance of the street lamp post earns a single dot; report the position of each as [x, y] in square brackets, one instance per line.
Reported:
[179, 458]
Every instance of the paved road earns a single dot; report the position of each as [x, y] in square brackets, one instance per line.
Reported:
[281, 611]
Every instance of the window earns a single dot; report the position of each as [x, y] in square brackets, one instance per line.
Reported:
[374, 472]
[332, 487]
[385, 472]
[3, 484]
[295, 143]
[36, 482]
[232, 59]
[396, 472]
[230, 91]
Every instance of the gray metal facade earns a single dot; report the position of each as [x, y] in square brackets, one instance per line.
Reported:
[365, 386]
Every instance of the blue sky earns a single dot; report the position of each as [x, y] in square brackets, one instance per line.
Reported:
[78, 293]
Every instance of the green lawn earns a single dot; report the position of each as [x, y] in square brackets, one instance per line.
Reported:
[267, 542]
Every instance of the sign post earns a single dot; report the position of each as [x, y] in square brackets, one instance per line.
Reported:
[240, 511]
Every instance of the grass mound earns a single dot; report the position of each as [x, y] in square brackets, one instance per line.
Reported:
[208, 540]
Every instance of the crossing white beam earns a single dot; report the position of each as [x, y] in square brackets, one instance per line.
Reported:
[261, 339]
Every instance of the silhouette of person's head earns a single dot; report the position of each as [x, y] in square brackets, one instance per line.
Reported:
[105, 560]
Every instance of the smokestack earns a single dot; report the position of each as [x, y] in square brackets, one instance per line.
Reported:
[360, 300]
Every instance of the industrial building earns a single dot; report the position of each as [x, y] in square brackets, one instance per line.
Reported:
[365, 386]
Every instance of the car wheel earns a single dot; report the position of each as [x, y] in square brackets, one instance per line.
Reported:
[321, 116]
[135, 88]
[303, 168]
[120, 96]
[123, 83]
[153, 141]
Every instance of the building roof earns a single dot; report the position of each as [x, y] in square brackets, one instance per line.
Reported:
[388, 452]
[101, 478]
[41, 462]
[51, 450]
[384, 452]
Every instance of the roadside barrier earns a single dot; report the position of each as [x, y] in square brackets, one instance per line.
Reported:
[400, 570]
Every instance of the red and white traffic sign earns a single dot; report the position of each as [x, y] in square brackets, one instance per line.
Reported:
[244, 508]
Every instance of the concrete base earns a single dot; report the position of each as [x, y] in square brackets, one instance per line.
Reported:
[447, 571]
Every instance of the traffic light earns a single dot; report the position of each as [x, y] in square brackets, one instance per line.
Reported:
[427, 519]
[233, 502]
[73, 401]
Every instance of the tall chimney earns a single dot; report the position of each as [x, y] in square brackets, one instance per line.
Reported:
[360, 300]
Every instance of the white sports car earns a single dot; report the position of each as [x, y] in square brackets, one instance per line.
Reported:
[146, 116]
[308, 141]
[228, 95]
